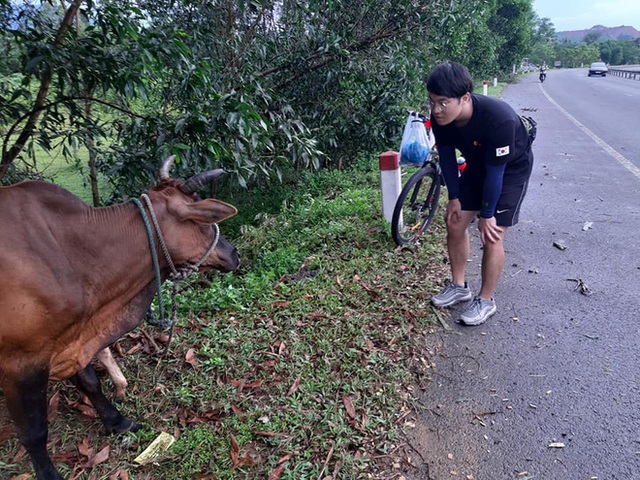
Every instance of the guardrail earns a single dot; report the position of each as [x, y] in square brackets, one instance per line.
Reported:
[628, 71]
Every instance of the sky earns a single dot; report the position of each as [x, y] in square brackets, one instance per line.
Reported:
[584, 14]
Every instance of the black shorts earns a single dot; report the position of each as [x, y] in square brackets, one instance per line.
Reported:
[514, 188]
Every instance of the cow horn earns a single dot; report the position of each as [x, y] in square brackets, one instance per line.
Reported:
[166, 166]
[198, 181]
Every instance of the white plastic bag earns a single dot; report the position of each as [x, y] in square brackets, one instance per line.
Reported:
[415, 141]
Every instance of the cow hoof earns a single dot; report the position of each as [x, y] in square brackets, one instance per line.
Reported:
[124, 425]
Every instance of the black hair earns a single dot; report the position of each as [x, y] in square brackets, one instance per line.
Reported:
[449, 79]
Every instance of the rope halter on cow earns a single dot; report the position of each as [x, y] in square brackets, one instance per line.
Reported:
[181, 273]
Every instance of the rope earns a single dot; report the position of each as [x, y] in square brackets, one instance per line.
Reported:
[183, 272]
[176, 274]
[156, 268]
[163, 245]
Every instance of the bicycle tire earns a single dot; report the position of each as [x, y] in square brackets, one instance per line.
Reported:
[416, 205]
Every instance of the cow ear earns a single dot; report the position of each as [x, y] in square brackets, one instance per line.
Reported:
[207, 211]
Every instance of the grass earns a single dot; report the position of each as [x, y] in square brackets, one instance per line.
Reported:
[72, 175]
[303, 364]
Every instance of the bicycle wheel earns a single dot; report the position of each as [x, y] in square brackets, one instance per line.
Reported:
[416, 205]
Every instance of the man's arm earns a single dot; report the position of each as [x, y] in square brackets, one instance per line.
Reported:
[449, 167]
[492, 189]
[500, 150]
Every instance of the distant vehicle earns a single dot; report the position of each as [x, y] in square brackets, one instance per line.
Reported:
[528, 67]
[598, 68]
[543, 73]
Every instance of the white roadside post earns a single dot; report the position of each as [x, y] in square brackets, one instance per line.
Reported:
[495, 80]
[485, 88]
[390, 182]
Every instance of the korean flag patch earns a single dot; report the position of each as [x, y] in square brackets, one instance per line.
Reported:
[502, 151]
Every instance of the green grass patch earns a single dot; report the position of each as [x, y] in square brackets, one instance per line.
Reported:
[72, 174]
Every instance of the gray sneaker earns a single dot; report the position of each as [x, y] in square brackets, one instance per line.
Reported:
[452, 294]
[478, 312]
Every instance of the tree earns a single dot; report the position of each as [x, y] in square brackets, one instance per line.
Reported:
[592, 37]
[512, 23]
[259, 88]
[620, 52]
[543, 46]
[575, 55]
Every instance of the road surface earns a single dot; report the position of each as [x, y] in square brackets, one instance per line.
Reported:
[549, 388]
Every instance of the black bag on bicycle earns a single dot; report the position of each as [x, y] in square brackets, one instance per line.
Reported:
[530, 125]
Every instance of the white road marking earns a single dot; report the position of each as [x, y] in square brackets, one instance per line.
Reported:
[605, 146]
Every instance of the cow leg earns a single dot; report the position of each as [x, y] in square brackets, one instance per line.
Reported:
[26, 400]
[105, 357]
[114, 422]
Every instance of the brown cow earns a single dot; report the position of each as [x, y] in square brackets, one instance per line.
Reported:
[74, 279]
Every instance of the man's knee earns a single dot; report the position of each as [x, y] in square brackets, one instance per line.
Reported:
[456, 231]
[494, 248]
[458, 228]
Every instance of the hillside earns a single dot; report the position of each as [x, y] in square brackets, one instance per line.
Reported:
[623, 32]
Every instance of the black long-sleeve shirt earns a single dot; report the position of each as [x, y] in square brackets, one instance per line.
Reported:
[494, 143]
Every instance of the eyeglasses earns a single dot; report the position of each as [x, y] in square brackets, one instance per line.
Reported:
[442, 105]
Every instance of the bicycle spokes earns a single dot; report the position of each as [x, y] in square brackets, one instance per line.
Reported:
[416, 206]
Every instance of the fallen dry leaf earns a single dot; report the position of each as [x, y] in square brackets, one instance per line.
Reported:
[101, 456]
[84, 449]
[348, 405]
[84, 410]
[282, 463]
[242, 384]
[54, 401]
[234, 450]
[190, 358]
[119, 474]
[294, 388]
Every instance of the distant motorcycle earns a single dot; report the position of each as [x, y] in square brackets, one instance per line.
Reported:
[543, 76]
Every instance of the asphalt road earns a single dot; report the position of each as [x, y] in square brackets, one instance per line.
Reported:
[548, 389]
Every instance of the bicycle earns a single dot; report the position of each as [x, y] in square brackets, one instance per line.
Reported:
[418, 200]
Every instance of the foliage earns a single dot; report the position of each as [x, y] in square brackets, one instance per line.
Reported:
[263, 89]
[620, 52]
[301, 365]
[543, 43]
[576, 55]
[545, 48]
[512, 24]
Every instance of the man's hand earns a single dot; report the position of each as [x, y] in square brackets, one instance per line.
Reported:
[489, 231]
[452, 213]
